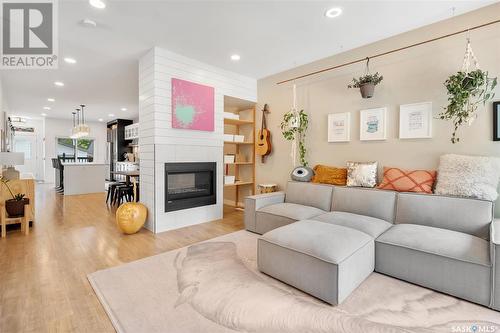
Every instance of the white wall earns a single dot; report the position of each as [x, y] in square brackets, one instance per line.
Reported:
[55, 128]
[36, 166]
[160, 143]
[410, 76]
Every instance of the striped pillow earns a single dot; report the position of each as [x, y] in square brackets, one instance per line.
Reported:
[408, 180]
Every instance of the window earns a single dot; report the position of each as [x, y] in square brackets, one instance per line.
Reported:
[81, 148]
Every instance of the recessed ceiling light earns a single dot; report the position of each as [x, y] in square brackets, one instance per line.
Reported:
[46, 107]
[70, 60]
[123, 109]
[235, 57]
[101, 120]
[43, 114]
[100, 4]
[59, 84]
[111, 115]
[333, 12]
[51, 100]
[88, 23]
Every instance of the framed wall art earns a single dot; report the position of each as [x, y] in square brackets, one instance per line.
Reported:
[339, 127]
[415, 121]
[496, 121]
[192, 106]
[373, 124]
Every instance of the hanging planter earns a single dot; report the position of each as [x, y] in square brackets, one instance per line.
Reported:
[467, 89]
[367, 82]
[294, 127]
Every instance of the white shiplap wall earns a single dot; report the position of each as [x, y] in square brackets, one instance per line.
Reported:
[160, 143]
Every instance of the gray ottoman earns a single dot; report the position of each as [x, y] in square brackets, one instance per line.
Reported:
[325, 260]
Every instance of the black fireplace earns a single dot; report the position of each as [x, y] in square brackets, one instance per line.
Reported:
[189, 185]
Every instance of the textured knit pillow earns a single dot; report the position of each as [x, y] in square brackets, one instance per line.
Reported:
[361, 174]
[408, 180]
[329, 175]
[468, 176]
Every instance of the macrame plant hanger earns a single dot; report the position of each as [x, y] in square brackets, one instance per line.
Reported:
[469, 59]
[294, 122]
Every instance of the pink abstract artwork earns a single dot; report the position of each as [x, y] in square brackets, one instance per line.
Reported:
[192, 106]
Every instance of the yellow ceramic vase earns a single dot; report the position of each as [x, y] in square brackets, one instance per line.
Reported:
[130, 217]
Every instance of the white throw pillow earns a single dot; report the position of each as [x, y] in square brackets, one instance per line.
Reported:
[468, 176]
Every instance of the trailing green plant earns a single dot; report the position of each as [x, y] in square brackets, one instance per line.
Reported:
[294, 126]
[466, 91]
[367, 78]
[18, 196]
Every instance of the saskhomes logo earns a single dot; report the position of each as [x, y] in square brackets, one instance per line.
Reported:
[29, 34]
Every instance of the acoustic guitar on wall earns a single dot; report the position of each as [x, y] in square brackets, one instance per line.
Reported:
[263, 142]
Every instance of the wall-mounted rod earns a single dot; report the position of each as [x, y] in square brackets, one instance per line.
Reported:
[389, 52]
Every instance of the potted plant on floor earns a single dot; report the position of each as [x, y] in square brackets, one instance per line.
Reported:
[367, 82]
[14, 206]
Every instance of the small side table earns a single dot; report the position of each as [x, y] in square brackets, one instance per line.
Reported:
[4, 219]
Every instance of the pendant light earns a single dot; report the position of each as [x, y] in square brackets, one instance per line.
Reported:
[74, 129]
[84, 129]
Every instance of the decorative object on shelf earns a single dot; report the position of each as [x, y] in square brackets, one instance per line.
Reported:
[192, 106]
[229, 158]
[14, 206]
[10, 159]
[293, 128]
[130, 217]
[362, 174]
[496, 121]
[415, 121]
[228, 179]
[324, 174]
[367, 82]
[408, 180]
[80, 128]
[302, 174]
[267, 188]
[467, 89]
[263, 143]
[373, 124]
[468, 176]
[339, 127]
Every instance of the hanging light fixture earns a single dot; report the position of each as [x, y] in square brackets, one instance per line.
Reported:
[84, 129]
[74, 130]
[80, 128]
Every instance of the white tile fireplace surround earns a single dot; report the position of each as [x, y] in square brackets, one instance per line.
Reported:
[160, 143]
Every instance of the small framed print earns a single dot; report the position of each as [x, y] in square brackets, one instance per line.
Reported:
[415, 121]
[339, 127]
[373, 124]
[496, 121]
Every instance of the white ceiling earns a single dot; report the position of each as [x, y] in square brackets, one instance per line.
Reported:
[270, 36]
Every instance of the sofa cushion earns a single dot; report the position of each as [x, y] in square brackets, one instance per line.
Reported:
[375, 203]
[469, 216]
[309, 194]
[277, 215]
[369, 225]
[448, 261]
[408, 180]
[325, 260]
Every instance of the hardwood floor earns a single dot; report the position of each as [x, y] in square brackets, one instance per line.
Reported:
[43, 276]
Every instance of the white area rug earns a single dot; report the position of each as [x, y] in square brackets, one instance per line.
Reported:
[215, 287]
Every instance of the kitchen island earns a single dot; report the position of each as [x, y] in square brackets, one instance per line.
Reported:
[83, 178]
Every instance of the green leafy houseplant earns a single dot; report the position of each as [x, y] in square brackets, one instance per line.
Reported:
[14, 206]
[294, 126]
[368, 78]
[466, 91]
[366, 84]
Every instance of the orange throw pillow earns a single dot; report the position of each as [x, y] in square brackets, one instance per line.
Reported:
[329, 175]
[408, 180]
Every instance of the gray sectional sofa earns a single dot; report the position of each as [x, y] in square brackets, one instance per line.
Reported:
[326, 240]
